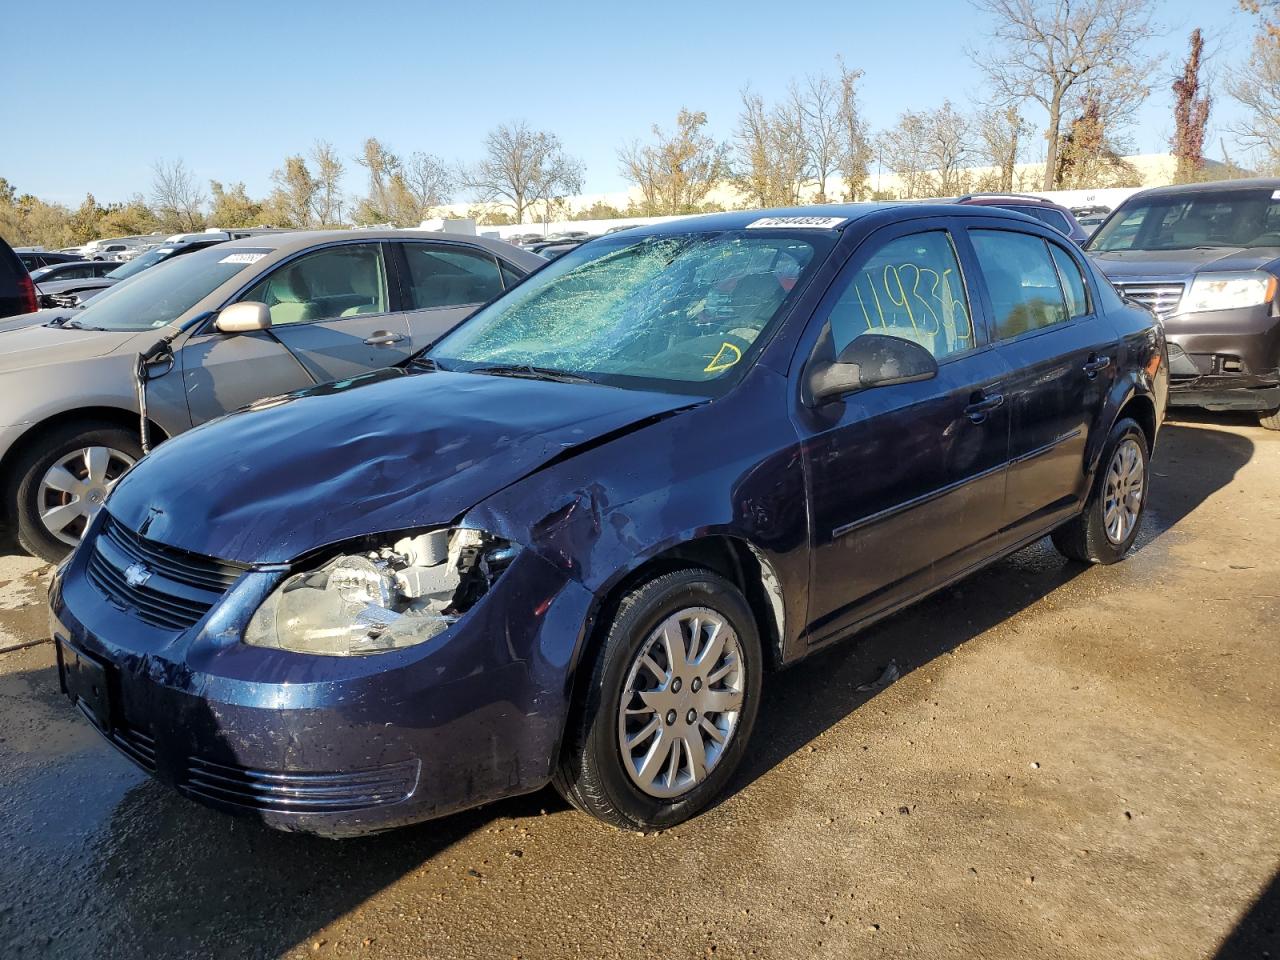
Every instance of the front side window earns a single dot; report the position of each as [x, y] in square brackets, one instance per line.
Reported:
[1021, 280]
[444, 277]
[349, 280]
[1231, 218]
[911, 287]
[680, 312]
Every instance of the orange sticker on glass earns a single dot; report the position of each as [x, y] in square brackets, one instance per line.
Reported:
[725, 358]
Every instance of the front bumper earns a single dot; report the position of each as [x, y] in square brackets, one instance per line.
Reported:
[1225, 359]
[335, 746]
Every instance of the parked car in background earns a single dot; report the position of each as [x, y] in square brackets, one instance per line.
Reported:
[1055, 215]
[72, 270]
[563, 545]
[17, 291]
[35, 259]
[550, 249]
[1090, 222]
[71, 292]
[227, 325]
[1205, 257]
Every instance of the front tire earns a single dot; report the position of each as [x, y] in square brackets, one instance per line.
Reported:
[1106, 529]
[1270, 419]
[59, 482]
[669, 703]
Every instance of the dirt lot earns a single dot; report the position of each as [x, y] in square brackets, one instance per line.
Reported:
[1077, 763]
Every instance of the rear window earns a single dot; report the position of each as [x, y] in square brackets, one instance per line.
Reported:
[1193, 220]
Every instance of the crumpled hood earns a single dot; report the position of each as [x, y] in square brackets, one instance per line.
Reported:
[1177, 264]
[26, 342]
[378, 454]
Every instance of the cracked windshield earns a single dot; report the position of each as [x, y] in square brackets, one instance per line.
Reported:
[675, 312]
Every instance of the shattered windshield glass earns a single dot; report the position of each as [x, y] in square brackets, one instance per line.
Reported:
[680, 312]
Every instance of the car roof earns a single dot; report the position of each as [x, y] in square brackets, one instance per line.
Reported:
[298, 240]
[851, 212]
[1213, 186]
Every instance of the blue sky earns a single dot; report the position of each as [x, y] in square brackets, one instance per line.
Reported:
[235, 86]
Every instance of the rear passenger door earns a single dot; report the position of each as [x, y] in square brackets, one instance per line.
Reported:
[443, 284]
[1062, 355]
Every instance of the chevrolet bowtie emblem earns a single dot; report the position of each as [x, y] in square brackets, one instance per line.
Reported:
[135, 575]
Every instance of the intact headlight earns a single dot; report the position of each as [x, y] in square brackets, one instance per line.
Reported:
[1226, 291]
[381, 599]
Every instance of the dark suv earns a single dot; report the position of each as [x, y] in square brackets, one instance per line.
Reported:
[1205, 258]
[1046, 211]
[17, 292]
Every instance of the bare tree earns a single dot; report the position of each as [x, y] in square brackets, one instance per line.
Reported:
[770, 159]
[678, 169]
[855, 149]
[1000, 141]
[905, 155]
[426, 184]
[329, 169]
[816, 102]
[377, 206]
[523, 167]
[1052, 51]
[176, 194]
[1257, 88]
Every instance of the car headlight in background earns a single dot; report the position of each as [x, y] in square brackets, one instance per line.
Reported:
[381, 599]
[1227, 291]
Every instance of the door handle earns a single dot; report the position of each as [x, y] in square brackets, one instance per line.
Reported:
[382, 338]
[977, 410]
[1094, 364]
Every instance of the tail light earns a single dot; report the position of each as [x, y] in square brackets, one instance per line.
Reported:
[27, 293]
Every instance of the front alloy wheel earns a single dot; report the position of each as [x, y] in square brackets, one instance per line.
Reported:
[680, 704]
[666, 703]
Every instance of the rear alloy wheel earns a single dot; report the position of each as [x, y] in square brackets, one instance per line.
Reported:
[60, 486]
[666, 713]
[1106, 529]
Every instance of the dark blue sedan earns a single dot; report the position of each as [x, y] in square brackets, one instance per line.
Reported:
[568, 542]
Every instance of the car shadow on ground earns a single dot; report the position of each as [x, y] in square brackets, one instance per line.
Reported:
[1257, 934]
[169, 875]
[802, 702]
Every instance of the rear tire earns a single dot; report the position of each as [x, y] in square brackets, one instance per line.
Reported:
[626, 713]
[1106, 529]
[1270, 419]
[32, 498]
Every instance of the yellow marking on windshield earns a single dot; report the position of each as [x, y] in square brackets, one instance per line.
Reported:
[720, 362]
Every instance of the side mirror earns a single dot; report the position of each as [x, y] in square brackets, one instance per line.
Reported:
[871, 360]
[244, 317]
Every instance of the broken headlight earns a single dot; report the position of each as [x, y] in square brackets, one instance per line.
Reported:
[381, 599]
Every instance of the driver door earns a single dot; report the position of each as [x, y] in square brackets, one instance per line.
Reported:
[905, 482]
[332, 317]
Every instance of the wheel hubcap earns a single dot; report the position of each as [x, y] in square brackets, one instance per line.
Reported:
[681, 702]
[72, 490]
[1125, 486]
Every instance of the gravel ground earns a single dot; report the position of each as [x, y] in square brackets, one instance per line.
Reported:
[1075, 763]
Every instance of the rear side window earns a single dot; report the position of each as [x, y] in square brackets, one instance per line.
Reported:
[910, 287]
[447, 277]
[1022, 281]
[1072, 282]
[510, 275]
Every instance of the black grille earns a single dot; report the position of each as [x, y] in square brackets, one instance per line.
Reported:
[169, 588]
[136, 745]
[300, 792]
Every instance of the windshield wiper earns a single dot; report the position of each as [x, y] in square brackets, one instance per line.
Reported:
[530, 372]
[67, 323]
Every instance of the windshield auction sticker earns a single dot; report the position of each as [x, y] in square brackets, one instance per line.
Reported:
[242, 258]
[807, 223]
